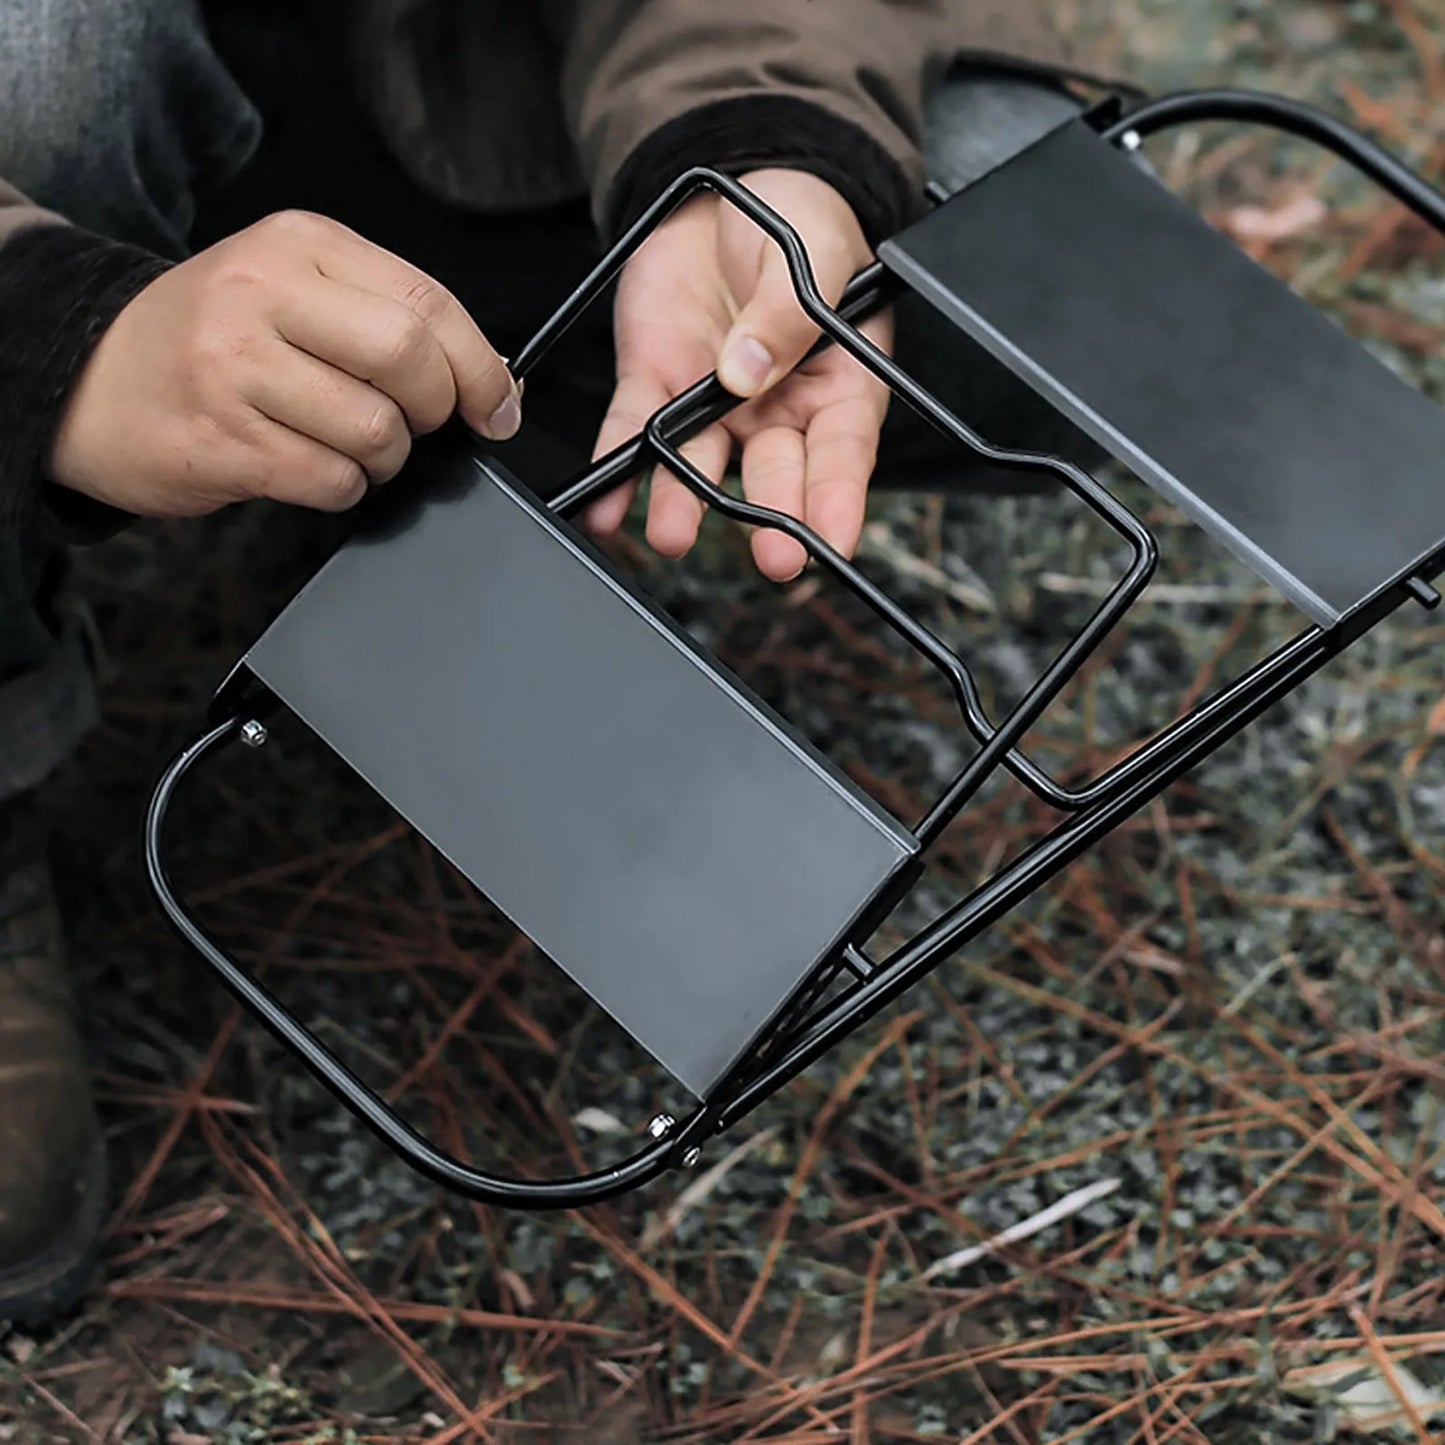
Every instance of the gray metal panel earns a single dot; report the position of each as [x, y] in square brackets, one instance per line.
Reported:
[653, 826]
[1270, 426]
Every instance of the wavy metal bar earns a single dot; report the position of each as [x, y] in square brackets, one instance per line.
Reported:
[350, 1090]
[708, 400]
[999, 745]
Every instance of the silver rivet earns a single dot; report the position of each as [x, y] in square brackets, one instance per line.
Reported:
[661, 1125]
[1132, 140]
[253, 733]
[691, 1156]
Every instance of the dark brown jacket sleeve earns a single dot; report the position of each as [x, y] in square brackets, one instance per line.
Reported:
[833, 86]
[60, 287]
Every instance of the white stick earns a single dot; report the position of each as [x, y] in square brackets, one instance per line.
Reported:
[1035, 1224]
[1163, 593]
[878, 542]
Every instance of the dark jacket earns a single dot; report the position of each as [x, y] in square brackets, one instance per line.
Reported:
[518, 103]
[501, 105]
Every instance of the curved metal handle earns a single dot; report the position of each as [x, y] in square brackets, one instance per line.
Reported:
[350, 1090]
[1294, 117]
[999, 745]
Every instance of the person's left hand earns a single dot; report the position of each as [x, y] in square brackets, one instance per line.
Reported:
[711, 290]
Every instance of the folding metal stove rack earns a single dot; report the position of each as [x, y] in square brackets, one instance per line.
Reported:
[703, 871]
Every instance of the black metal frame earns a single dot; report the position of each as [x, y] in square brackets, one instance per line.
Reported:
[827, 1012]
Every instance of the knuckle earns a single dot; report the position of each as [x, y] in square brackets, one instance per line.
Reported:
[291, 227]
[241, 425]
[403, 344]
[243, 280]
[341, 485]
[380, 429]
[429, 299]
[244, 269]
[388, 467]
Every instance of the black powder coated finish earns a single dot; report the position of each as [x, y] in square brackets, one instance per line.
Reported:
[486, 670]
[652, 825]
[1273, 429]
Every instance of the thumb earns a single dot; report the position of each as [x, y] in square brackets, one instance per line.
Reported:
[772, 333]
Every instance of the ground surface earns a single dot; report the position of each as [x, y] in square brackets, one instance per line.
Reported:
[1227, 1025]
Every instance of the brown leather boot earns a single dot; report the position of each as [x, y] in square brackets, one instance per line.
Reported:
[52, 1158]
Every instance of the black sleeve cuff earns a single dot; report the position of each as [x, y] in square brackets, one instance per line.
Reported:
[60, 288]
[746, 133]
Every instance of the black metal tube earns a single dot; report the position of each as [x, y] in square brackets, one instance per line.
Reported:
[1290, 666]
[1148, 118]
[999, 744]
[1099, 807]
[351, 1091]
[1296, 118]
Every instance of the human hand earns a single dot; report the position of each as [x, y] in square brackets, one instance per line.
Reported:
[709, 289]
[294, 360]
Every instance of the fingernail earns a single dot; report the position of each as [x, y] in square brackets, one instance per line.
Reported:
[520, 387]
[745, 366]
[506, 421]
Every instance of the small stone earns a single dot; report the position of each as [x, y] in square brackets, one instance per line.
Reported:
[1310, 30]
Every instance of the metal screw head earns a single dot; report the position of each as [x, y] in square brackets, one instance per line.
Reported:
[691, 1157]
[253, 733]
[661, 1125]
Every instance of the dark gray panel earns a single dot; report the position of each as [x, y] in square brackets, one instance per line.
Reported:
[1307, 457]
[649, 823]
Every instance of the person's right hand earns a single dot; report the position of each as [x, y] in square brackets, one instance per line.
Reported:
[293, 360]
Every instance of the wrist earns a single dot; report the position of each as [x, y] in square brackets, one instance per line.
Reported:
[749, 134]
[797, 193]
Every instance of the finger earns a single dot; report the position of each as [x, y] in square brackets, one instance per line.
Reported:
[773, 476]
[288, 467]
[842, 450]
[375, 340]
[675, 511]
[772, 332]
[331, 406]
[486, 395]
[637, 396]
[842, 445]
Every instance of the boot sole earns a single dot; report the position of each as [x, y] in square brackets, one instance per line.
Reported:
[54, 1282]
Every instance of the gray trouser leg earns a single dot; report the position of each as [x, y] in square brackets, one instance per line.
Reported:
[46, 699]
[112, 113]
